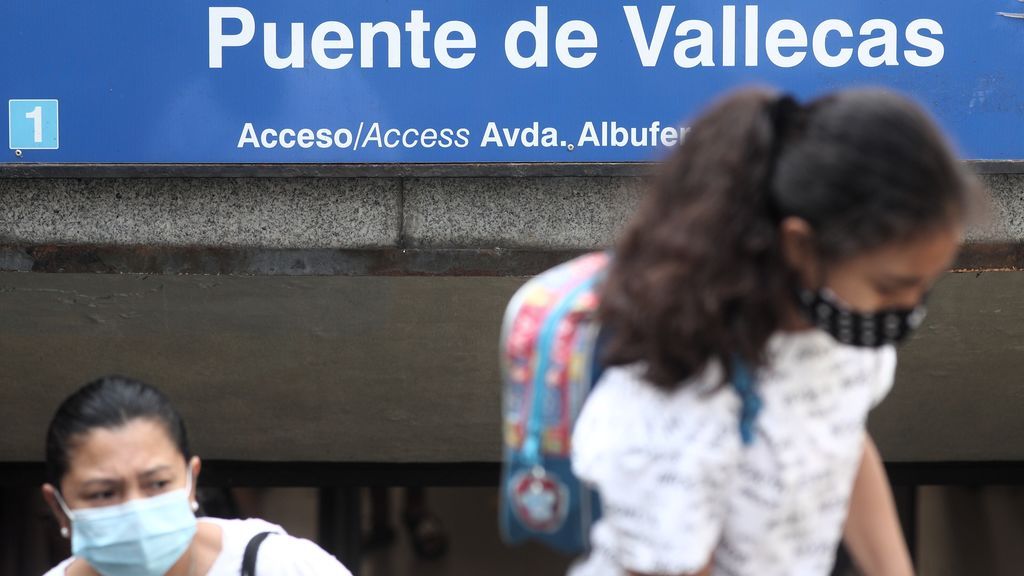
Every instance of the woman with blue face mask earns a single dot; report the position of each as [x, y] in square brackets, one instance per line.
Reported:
[121, 482]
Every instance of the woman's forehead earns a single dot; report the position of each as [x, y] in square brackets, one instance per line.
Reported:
[123, 451]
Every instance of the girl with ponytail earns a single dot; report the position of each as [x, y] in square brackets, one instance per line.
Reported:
[752, 311]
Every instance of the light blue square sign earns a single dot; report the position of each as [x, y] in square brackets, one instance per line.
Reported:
[33, 124]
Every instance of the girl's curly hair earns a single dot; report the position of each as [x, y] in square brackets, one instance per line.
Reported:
[698, 274]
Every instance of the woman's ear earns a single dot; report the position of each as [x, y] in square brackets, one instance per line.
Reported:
[50, 496]
[796, 238]
[196, 466]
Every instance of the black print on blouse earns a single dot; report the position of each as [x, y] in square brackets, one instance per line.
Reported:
[786, 488]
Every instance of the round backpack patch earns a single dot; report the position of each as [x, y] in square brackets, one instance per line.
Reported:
[540, 501]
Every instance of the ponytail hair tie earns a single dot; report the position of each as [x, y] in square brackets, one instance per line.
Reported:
[782, 114]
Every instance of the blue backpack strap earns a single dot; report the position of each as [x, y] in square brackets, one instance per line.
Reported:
[545, 343]
[597, 365]
[604, 334]
[743, 382]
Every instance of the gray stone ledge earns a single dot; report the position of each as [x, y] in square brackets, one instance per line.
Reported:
[293, 213]
[554, 213]
[537, 213]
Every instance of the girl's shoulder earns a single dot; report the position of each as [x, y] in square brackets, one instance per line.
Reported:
[624, 394]
[279, 554]
[625, 415]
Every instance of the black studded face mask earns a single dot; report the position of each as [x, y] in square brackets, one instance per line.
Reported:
[868, 330]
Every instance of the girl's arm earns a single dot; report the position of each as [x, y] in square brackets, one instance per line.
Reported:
[872, 532]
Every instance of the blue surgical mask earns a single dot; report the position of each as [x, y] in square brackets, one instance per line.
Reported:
[142, 537]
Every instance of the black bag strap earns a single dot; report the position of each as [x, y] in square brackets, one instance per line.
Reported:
[251, 550]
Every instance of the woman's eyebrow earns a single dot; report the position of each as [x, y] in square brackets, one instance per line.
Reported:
[154, 470]
[100, 481]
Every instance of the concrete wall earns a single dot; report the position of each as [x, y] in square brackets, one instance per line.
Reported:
[305, 213]
[304, 346]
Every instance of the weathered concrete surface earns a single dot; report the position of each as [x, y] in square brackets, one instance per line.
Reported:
[391, 369]
[549, 213]
[1004, 213]
[226, 212]
[959, 393]
[351, 213]
[372, 369]
[316, 368]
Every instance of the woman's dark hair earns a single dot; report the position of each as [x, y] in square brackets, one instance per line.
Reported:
[110, 402]
[699, 275]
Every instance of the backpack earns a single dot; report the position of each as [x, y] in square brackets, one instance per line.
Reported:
[551, 351]
[550, 360]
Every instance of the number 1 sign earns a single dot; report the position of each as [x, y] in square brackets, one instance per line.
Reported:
[33, 124]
